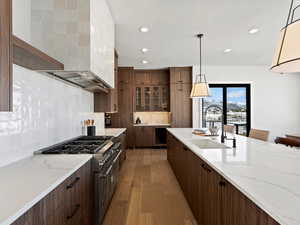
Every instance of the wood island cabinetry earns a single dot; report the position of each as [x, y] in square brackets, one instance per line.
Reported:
[71, 203]
[213, 200]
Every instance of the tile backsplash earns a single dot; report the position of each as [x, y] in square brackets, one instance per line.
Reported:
[153, 117]
[45, 112]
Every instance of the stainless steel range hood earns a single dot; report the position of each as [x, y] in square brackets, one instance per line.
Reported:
[84, 79]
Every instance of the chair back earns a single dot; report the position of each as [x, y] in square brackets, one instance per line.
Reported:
[229, 128]
[291, 142]
[262, 135]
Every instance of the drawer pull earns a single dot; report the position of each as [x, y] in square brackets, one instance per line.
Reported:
[222, 183]
[204, 167]
[73, 183]
[74, 212]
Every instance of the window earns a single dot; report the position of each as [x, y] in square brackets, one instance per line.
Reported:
[230, 102]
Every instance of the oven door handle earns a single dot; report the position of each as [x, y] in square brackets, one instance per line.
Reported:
[107, 172]
[117, 157]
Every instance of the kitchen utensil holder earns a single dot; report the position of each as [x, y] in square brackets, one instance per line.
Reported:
[91, 131]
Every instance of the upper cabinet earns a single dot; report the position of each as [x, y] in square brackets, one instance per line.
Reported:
[80, 34]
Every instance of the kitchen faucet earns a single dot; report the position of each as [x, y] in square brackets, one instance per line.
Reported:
[224, 137]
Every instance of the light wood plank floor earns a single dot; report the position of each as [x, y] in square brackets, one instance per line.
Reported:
[148, 193]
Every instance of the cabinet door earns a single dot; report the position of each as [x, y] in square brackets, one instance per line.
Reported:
[237, 209]
[209, 197]
[142, 77]
[147, 98]
[144, 136]
[139, 106]
[165, 99]
[181, 105]
[160, 77]
[156, 99]
[181, 75]
[125, 76]
[192, 182]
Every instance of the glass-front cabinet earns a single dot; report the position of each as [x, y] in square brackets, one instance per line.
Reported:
[152, 98]
[147, 98]
[138, 99]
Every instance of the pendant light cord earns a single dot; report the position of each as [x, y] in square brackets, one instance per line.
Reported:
[200, 37]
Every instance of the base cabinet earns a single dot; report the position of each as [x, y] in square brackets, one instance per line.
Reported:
[212, 199]
[68, 204]
[144, 136]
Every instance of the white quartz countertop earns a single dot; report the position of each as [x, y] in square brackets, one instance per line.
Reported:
[152, 125]
[111, 132]
[27, 181]
[266, 173]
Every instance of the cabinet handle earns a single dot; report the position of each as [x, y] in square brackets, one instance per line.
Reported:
[185, 148]
[222, 183]
[77, 207]
[73, 183]
[204, 167]
[115, 107]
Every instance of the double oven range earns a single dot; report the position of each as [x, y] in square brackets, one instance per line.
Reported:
[106, 151]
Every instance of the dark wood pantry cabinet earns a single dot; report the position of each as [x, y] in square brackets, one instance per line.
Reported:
[124, 117]
[180, 101]
[213, 200]
[71, 203]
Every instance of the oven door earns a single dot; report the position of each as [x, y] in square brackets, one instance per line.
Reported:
[102, 193]
[115, 172]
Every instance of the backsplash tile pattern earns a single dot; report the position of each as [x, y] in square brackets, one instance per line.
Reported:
[46, 111]
[153, 117]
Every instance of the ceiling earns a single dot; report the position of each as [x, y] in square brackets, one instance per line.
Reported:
[173, 25]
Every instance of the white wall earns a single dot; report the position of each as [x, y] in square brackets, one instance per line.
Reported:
[45, 111]
[275, 98]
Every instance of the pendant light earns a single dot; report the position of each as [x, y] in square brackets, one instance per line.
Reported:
[287, 54]
[200, 87]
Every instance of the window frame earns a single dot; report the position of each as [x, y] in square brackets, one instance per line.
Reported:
[224, 87]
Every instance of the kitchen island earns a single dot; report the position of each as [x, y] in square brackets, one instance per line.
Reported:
[256, 181]
[25, 182]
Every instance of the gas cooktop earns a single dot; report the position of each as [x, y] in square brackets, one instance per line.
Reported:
[82, 145]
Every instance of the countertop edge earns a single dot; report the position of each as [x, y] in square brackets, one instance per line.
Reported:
[30, 204]
[241, 189]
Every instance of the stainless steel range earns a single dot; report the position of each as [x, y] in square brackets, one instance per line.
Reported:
[106, 152]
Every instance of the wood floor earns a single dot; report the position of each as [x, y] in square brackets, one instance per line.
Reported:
[148, 193]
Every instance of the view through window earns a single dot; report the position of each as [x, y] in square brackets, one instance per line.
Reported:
[228, 102]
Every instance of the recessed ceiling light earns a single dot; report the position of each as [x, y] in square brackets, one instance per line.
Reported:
[144, 61]
[144, 29]
[227, 50]
[253, 31]
[144, 50]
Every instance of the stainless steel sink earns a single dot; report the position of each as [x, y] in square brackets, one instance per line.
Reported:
[208, 144]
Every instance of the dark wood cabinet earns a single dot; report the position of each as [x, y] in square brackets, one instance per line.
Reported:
[144, 136]
[180, 101]
[125, 115]
[69, 203]
[142, 77]
[108, 102]
[151, 77]
[180, 75]
[213, 200]
[151, 98]
[151, 90]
